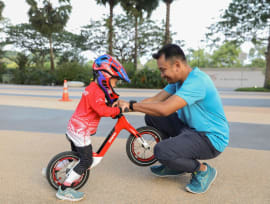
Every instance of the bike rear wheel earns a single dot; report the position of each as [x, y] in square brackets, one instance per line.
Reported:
[59, 167]
[136, 152]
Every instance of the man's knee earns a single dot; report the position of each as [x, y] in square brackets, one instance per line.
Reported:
[148, 120]
[161, 152]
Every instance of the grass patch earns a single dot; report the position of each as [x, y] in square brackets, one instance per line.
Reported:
[257, 89]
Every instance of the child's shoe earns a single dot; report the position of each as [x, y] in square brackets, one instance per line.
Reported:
[69, 194]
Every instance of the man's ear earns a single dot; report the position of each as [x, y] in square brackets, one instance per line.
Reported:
[178, 64]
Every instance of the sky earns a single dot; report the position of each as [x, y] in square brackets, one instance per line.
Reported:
[189, 18]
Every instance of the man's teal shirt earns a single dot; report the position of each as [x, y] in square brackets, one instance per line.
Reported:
[204, 111]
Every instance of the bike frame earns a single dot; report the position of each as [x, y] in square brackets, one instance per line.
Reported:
[121, 124]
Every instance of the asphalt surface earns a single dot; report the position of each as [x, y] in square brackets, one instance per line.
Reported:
[32, 127]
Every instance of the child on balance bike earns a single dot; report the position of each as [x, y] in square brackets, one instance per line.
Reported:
[84, 121]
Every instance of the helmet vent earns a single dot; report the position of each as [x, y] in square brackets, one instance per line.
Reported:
[105, 84]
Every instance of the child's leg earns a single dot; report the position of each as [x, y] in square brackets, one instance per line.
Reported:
[86, 159]
[73, 147]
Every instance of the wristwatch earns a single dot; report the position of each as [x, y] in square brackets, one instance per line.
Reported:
[131, 104]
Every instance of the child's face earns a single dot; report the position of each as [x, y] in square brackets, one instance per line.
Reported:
[113, 82]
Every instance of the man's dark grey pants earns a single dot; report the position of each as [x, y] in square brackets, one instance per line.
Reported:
[181, 147]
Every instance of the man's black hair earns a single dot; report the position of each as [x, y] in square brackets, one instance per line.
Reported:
[170, 51]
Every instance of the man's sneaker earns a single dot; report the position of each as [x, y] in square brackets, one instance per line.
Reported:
[163, 171]
[202, 180]
[69, 194]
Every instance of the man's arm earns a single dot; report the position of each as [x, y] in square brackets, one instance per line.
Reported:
[161, 108]
[161, 96]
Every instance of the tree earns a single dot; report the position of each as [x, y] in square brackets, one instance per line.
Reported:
[48, 19]
[112, 4]
[257, 55]
[26, 38]
[198, 58]
[167, 27]
[136, 8]
[150, 37]
[2, 44]
[2, 6]
[226, 55]
[247, 20]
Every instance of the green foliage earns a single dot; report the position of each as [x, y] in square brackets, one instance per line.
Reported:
[226, 56]
[246, 21]
[49, 19]
[257, 55]
[2, 5]
[150, 37]
[151, 64]
[257, 62]
[73, 71]
[129, 67]
[198, 58]
[147, 78]
[25, 37]
[32, 76]
[138, 7]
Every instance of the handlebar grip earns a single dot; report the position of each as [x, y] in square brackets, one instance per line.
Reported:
[126, 110]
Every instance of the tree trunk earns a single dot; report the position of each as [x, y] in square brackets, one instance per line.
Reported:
[267, 71]
[51, 54]
[111, 29]
[167, 29]
[136, 42]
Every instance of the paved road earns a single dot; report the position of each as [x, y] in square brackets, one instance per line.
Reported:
[32, 125]
[244, 135]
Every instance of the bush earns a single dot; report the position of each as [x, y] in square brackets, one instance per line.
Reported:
[73, 71]
[147, 78]
[33, 76]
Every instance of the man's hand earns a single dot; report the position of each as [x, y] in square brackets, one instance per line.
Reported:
[123, 104]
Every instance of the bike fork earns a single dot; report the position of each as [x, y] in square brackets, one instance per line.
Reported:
[143, 143]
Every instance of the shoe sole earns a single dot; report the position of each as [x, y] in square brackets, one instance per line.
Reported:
[69, 199]
[189, 190]
[164, 176]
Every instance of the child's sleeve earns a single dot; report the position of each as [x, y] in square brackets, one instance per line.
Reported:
[97, 102]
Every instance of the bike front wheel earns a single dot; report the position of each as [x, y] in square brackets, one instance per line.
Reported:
[59, 167]
[137, 152]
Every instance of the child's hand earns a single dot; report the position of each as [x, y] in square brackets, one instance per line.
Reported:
[124, 105]
[115, 104]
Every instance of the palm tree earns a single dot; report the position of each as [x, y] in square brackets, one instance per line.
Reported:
[2, 5]
[136, 8]
[167, 26]
[112, 4]
[49, 20]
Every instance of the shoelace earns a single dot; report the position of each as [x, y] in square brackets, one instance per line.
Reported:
[195, 179]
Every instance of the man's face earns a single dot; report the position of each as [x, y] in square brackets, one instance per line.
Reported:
[167, 69]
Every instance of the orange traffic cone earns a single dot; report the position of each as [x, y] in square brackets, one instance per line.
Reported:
[65, 92]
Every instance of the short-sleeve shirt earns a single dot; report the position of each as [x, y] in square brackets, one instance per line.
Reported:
[204, 110]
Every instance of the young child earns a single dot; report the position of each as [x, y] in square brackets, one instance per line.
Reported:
[84, 121]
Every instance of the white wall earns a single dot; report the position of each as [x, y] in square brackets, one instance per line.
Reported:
[236, 77]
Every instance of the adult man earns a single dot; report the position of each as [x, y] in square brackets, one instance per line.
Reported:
[189, 113]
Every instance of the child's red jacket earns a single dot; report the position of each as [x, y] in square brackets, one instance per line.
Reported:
[84, 121]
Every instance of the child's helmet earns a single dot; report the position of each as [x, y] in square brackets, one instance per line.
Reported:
[104, 68]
